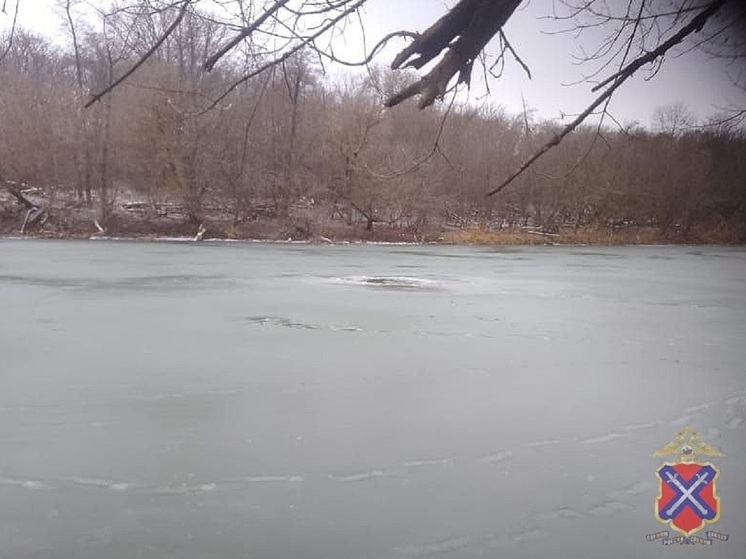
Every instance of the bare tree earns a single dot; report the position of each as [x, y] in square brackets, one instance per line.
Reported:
[271, 145]
[674, 119]
[639, 34]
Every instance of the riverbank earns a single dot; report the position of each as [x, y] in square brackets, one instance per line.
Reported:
[188, 232]
[63, 218]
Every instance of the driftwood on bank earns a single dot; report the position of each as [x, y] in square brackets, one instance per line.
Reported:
[36, 213]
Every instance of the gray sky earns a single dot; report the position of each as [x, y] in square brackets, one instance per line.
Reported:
[693, 79]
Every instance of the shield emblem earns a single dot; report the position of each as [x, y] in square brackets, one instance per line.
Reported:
[686, 497]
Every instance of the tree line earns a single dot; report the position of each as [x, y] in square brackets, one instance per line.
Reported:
[292, 147]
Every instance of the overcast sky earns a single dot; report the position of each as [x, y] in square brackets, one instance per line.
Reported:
[693, 79]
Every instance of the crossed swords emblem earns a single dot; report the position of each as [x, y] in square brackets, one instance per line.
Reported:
[687, 494]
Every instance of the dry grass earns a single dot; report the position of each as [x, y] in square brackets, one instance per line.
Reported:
[475, 236]
[592, 236]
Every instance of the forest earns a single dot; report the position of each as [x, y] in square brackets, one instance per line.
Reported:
[295, 154]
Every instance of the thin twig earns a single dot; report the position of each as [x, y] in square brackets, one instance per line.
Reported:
[515, 54]
[144, 57]
[435, 149]
[285, 55]
[619, 78]
[12, 31]
[210, 63]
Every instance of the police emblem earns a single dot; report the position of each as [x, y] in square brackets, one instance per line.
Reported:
[687, 500]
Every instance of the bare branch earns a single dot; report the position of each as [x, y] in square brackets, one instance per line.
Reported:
[272, 10]
[616, 81]
[424, 159]
[512, 51]
[182, 12]
[12, 31]
[329, 24]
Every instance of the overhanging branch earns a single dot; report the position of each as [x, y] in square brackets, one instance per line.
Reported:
[613, 83]
[463, 32]
[182, 12]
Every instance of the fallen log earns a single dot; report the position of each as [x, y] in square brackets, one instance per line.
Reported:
[15, 189]
[35, 211]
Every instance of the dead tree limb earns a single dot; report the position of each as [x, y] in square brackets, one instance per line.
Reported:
[15, 190]
[463, 32]
[34, 211]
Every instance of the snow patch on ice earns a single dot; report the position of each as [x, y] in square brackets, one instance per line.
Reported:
[528, 536]
[430, 462]
[608, 507]
[541, 444]
[362, 476]
[20, 482]
[435, 548]
[681, 421]
[496, 457]
[700, 407]
[562, 512]
[275, 479]
[639, 426]
[604, 438]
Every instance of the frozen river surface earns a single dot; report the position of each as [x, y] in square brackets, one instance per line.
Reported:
[167, 400]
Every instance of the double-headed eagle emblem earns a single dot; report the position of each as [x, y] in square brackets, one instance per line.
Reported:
[688, 446]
